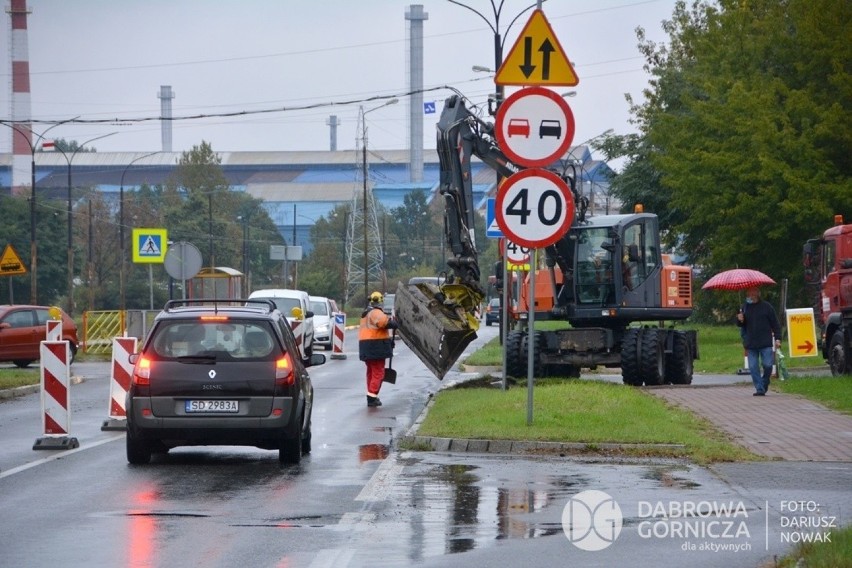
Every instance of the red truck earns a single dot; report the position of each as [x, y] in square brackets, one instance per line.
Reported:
[828, 278]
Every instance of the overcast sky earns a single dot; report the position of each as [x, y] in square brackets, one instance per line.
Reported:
[106, 59]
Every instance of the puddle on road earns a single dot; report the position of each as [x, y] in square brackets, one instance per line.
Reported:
[668, 478]
[455, 508]
[370, 452]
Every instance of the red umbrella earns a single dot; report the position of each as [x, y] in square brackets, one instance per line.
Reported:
[738, 279]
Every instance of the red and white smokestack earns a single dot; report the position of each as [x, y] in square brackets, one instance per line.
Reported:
[22, 138]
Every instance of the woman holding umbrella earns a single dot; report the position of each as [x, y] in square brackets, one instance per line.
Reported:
[759, 326]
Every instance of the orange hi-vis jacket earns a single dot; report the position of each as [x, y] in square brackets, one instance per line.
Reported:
[374, 339]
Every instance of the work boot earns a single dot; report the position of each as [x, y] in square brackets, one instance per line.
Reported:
[373, 401]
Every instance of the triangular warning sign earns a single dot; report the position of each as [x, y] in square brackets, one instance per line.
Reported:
[10, 262]
[536, 58]
[150, 247]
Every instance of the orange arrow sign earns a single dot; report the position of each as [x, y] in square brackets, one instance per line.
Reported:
[807, 347]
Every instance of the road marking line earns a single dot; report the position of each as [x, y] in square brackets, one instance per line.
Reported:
[59, 454]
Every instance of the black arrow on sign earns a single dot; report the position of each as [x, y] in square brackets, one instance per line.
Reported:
[527, 68]
[546, 49]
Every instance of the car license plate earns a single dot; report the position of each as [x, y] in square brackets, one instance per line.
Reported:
[212, 406]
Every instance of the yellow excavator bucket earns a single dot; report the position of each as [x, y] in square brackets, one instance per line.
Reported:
[437, 322]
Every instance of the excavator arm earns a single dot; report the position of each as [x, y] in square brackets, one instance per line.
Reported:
[438, 321]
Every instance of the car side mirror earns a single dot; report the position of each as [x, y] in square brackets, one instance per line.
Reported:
[316, 359]
[132, 358]
[309, 314]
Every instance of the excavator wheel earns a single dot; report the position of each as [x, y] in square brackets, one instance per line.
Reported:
[679, 362]
[652, 357]
[516, 365]
[630, 350]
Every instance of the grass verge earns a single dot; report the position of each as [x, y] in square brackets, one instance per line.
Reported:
[13, 378]
[586, 412]
[833, 392]
[832, 554]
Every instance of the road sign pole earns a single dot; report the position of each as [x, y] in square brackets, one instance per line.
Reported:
[531, 336]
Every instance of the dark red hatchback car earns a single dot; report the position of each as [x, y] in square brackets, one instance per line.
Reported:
[23, 328]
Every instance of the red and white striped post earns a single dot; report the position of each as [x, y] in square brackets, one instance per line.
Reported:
[337, 336]
[55, 397]
[54, 330]
[119, 383]
[298, 327]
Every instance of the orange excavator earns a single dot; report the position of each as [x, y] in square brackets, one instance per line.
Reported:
[606, 277]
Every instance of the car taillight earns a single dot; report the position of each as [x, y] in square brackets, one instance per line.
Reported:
[142, 372]
[284, 371]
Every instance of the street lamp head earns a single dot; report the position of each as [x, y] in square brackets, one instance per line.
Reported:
[481, 69]
[568, 94]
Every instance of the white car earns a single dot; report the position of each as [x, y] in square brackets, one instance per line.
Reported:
[323, 321]
[301, 322]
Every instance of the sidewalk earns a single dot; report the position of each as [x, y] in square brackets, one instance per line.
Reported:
[779, 426]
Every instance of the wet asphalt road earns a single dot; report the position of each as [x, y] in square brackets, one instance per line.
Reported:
[355, 501]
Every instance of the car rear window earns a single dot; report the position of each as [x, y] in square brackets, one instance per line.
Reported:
[284, 305]
[232, 340]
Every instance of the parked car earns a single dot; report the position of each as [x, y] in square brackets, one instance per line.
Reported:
[323, 321]
[492, 311]
[23, 328]
[286, 301]
[219, 374]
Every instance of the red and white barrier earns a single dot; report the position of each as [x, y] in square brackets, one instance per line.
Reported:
[55, 368]
[298, 327]
[119, 383]
[337, 331]
[54, 330]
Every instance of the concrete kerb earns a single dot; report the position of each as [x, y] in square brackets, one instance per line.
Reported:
[6, 394]
[525, 447]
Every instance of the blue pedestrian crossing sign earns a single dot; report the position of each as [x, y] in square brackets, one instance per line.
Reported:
[149, 245]
[491, 227]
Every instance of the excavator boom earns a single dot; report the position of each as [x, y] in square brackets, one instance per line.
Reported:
[437, 322]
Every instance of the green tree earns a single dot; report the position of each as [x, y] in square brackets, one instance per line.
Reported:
[746, 126]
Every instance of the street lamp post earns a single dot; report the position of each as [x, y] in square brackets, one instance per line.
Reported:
[69, 307]
[365, 207]
[33, 144]
[244, 219]
[121, 246]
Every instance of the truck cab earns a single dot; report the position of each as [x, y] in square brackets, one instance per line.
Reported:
[828, 276]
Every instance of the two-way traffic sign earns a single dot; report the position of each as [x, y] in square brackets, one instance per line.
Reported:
[537, 58]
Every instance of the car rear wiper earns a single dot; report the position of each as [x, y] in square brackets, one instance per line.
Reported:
[197, 359]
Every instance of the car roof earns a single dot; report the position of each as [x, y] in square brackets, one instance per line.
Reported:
[279, 293]
[250, 308]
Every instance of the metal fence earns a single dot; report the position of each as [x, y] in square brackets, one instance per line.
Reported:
[100, 327]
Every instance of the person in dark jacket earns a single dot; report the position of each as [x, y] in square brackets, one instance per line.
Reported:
[760, 331]
[375, 345]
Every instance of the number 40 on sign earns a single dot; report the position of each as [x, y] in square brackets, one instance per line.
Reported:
[534, 208]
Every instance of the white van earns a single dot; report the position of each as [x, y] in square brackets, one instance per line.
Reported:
[287, 300]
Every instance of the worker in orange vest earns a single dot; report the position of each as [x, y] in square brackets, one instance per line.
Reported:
[375, 345]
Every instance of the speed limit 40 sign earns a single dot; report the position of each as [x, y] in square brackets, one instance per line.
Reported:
[534, 208]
